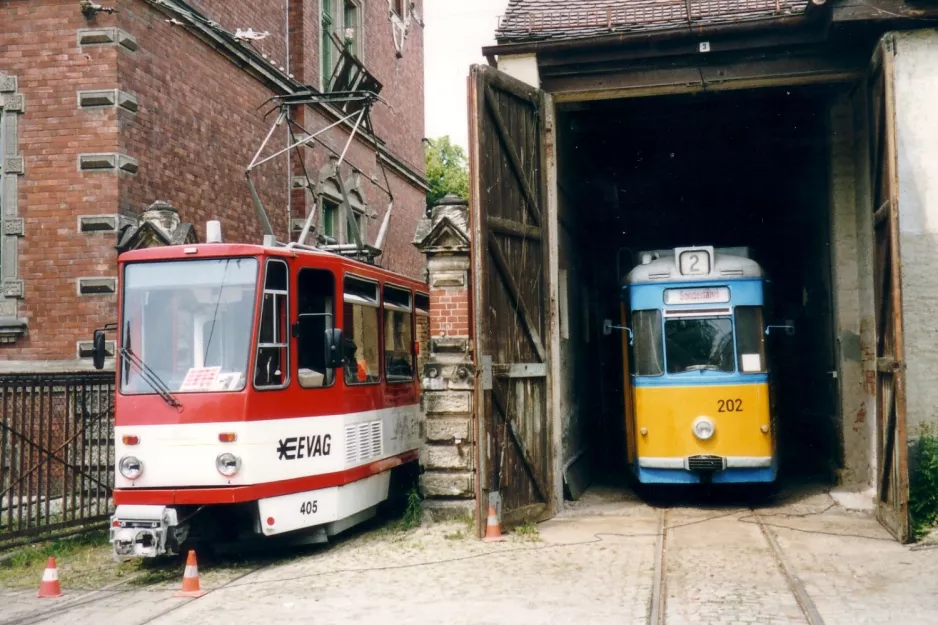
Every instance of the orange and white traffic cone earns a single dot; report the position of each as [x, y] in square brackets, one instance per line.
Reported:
[190, 579]
[49, 588]
[493, 531]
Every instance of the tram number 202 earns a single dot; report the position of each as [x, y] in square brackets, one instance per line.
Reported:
[729, 405]
[309, 507]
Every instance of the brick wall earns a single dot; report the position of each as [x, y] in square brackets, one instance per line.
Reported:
[39, 46]
[192, 130]
[196, 130]
[449, 312]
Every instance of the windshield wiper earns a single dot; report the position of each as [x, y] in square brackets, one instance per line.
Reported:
[148, 374]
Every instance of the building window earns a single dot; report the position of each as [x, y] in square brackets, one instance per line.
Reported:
[273, 341]
[362, 350]
[12, 104]
[326, 45]
[315, 290]
[398, 335]
[336, 211]
[341, 28]
[329, 211]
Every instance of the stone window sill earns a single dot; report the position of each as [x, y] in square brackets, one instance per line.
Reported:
[11, 329]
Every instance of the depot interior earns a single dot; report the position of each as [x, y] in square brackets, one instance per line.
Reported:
[744, 168]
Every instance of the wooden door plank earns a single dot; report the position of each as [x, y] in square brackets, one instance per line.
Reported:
[501, 405]
[508, 279]
[898, 346]
[479, 255]
[512, 154]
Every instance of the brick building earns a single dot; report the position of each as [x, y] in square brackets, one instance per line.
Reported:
[102, 114]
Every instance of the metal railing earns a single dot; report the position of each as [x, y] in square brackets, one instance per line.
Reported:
[56, 453]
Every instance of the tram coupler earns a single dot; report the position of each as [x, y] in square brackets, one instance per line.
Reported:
[143, 531]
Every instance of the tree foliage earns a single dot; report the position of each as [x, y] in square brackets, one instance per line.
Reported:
[447, 169]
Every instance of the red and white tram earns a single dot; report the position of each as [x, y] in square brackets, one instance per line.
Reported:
[260, 390]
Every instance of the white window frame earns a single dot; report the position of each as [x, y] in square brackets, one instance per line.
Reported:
[338, 27]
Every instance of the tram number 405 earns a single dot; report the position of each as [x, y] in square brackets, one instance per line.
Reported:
[309, 507]
[729, 405]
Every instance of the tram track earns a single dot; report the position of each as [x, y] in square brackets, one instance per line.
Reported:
[110, 590]
[802, 598]
[657, 603]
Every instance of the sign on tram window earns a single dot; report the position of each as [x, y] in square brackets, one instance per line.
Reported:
[694, 262]
[708, 295]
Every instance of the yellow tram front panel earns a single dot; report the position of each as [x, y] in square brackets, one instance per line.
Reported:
[665, 417]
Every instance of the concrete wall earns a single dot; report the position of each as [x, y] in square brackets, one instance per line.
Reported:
[851, 261]
[916, 67]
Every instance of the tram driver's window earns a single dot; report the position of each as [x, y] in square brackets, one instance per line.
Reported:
[647, 350]
[315, 303]
[750, 339]
[360, 325]
[273, 342]
[398, 335]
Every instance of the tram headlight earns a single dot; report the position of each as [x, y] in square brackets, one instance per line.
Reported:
[130, 467]
[703, 428]
[227, 464]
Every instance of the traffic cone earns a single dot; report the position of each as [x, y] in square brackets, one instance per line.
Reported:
[49, 588]
[190, 579]
[493, 532]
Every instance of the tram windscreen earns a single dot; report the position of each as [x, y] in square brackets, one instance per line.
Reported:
[189, 322]
[699, 345]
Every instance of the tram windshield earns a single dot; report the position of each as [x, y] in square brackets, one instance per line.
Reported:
[188, 322]
[699, 345]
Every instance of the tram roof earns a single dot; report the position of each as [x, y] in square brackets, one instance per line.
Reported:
[664, 269]
[225, 250]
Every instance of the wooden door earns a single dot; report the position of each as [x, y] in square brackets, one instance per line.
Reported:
[511, 295]
[892, 471]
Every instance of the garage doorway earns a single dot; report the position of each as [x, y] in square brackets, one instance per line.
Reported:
[747, 169]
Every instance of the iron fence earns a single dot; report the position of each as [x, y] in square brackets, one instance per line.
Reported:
[56, 453]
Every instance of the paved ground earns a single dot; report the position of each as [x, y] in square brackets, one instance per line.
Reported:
[605, 560]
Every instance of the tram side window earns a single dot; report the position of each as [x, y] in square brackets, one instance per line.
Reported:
[750, 339]
[273, 346]
[360, 319]
[647, 350]
[316, 314]
[398, 335]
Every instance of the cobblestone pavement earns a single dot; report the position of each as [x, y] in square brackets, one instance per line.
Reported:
[595, 563]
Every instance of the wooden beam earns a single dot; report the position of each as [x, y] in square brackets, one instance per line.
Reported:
[502, 263]
[513, 157]
[510, 84]
[513, 228]
[896, 11]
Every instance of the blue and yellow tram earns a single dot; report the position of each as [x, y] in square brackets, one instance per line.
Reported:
[697, 395]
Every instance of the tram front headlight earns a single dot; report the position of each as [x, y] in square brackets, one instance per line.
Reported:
[704, 428]
[131, 467]
[227, 464]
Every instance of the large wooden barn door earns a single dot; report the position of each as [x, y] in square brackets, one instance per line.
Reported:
[510, 296]
[893, 474]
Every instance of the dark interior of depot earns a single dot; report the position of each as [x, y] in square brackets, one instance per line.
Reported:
[733, 169]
